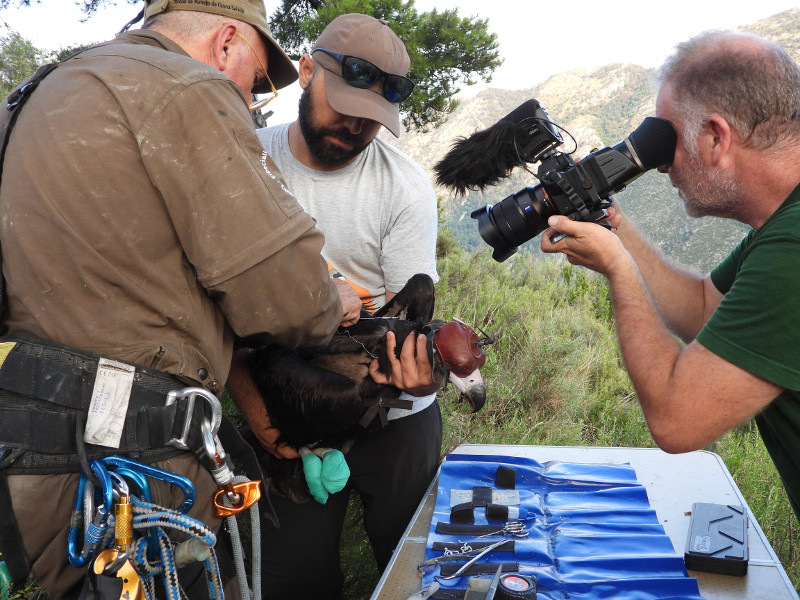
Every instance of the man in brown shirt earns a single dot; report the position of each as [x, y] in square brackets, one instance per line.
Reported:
[141, 219]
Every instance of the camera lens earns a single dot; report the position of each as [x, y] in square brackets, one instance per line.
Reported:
[513, 221]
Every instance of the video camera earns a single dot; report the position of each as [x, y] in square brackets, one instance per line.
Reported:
[579, 190]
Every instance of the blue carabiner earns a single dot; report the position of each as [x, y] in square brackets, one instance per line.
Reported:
[139, 480]
[181, 482]
[94, 531]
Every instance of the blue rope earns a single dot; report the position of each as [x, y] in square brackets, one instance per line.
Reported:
[149, 518]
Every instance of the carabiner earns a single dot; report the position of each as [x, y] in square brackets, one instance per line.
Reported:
[190, 393]
[179, 481]
[123, 525]
[232, 498]
[139, 480]
[143, 492]
[95, 530]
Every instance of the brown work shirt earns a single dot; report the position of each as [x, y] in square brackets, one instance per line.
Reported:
[140, 217]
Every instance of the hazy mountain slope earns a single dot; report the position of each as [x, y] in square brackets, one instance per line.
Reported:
[598, 107]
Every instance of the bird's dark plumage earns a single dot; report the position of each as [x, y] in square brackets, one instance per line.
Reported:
[318, 395]
[323, 396]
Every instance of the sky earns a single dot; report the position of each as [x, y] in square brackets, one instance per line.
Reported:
[535, 39]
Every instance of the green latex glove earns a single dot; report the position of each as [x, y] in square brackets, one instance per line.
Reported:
[326, 475]
[335, 471]
[312, 468]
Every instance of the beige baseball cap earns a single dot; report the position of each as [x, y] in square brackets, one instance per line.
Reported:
[372, 39]
[281, 69]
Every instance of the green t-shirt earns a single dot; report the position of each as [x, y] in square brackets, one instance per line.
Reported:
[757, 328]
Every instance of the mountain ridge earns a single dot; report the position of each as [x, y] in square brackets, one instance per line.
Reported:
[598, 107]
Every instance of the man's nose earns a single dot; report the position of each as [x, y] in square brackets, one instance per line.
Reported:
[354, 124]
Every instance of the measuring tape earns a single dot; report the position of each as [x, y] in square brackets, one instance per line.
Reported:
[513, 586]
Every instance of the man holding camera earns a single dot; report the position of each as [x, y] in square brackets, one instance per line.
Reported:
[734, 99]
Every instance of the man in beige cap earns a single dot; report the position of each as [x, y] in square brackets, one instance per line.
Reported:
[142, 221]
[377, 209]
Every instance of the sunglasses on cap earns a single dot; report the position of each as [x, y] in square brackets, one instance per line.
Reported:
[362, 74]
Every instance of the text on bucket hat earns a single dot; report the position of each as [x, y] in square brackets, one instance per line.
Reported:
[281, 69]
[372, 39]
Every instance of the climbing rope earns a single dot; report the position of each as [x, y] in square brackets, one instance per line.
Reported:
[148, 518]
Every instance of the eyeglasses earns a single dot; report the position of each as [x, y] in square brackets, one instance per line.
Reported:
[362, 74]
[257, 104]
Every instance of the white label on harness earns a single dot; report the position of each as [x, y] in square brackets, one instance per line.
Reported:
[109, 404]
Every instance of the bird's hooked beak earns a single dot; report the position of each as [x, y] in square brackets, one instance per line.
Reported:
[471, 388]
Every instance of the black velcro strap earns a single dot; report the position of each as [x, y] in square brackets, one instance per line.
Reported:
[506, 477]
[462, 513]
[450, 594]
[448, 569]
[497, 512]
[388, 402]
[481, 496]
[369, 416]
[456, 528]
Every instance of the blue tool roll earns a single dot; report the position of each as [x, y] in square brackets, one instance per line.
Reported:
[592, 533]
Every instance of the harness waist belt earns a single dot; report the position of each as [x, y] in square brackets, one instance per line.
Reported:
[46, 390]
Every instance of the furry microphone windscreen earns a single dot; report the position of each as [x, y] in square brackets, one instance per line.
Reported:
[480, 160]
[486, 157]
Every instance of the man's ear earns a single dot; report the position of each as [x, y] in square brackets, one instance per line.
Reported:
[220, 46]
[719, 137]
[305, 69]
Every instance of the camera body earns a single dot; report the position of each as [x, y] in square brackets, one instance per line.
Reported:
[579, 190]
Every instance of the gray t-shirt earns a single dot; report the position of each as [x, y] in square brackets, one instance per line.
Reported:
[378, 215]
